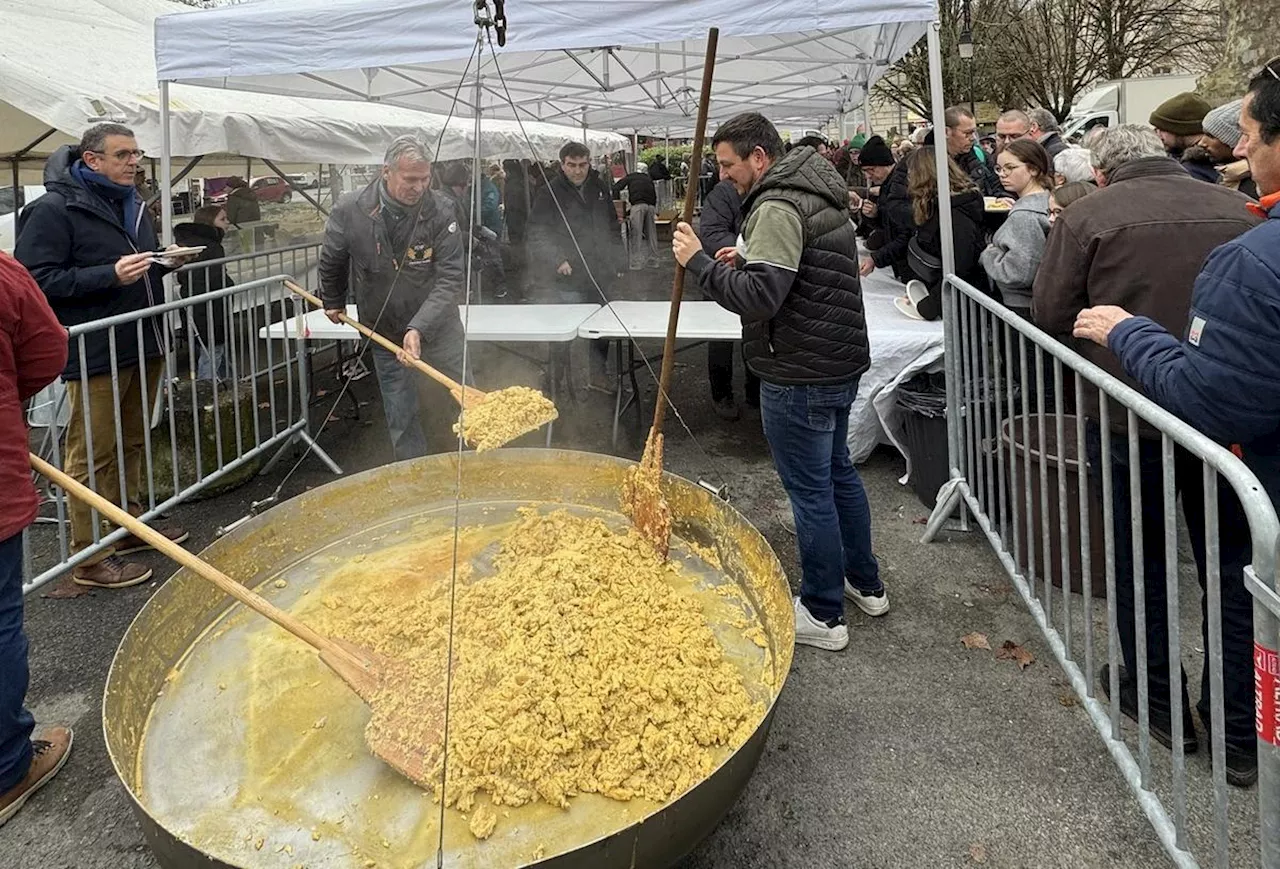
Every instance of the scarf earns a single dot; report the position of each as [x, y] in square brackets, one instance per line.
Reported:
[1263, 208]
[123, 199]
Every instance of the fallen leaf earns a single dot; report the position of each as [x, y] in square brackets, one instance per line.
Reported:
[975, 640]
[263, 405]
[978, 852]
[1068, 700]
[65, 589]
[331, 418]
[920, 520]
[1011, 651]
[321, 393]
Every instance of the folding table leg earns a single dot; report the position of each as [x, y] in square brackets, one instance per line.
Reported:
[617, 394]
[554, 376]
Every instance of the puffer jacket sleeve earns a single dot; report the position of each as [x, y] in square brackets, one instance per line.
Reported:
[1225, 378]
[335, 258]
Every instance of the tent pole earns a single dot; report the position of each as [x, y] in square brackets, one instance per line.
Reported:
[477, 199]
[17, 188]
[166, 177]
[866, 111]
[938, 106]
[295, 188]
[16, 160]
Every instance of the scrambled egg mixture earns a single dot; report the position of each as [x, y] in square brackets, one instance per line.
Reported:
[503, 416]
[577, 668]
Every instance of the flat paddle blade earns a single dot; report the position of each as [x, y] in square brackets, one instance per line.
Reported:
[642, 498]
[503, 416]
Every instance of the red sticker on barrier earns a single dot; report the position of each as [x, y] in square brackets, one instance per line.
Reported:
[1266, 693]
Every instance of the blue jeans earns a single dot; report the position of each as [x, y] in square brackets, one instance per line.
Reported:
[807, 428]
[401, 390]
[16, 722]
[211, 362]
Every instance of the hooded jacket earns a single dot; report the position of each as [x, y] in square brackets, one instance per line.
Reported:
[801, 327]
[897, 222]
[70, 239]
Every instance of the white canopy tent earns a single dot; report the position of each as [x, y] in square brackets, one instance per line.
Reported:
[68, 63]
[627, 65]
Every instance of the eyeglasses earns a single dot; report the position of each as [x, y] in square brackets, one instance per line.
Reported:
[1007, 170]
[136, 154]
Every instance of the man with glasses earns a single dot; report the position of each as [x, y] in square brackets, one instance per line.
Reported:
[962, 131]
[1224, 379]
[1010, 127]
[91, 246]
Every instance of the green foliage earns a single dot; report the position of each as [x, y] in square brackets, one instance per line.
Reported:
[674, 154]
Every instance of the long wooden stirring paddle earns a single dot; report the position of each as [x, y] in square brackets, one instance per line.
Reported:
[642, 497]
[517, 411]
[375, 679]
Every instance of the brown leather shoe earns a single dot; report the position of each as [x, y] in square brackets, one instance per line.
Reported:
[111, 572]
[51, 747]
[132, 543]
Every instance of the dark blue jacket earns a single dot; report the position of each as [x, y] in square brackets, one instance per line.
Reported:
[721, 219]
[69, 239]
[1224, 378]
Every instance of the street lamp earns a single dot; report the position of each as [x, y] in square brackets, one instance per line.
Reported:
[966, 51]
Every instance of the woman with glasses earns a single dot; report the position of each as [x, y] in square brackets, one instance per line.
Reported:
[1013, 257]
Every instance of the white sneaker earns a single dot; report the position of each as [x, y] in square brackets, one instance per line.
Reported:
[820, 635]
[871, 604]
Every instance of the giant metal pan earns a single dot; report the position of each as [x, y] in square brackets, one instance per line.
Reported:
[181, 613]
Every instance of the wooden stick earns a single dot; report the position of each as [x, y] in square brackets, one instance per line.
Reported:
[386, 344]
[690, 193]
[193, 563]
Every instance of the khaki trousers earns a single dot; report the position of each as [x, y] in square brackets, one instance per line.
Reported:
[101, 422]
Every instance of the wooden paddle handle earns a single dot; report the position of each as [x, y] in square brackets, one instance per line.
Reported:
[196, 565]
[690, 194]
[438, 376]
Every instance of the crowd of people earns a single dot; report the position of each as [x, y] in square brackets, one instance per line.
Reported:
[1154, 250]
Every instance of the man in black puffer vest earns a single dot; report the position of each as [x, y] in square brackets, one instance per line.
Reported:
[805, 336]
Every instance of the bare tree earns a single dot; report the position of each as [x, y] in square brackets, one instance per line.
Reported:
[1135, 37]
[1053, 60]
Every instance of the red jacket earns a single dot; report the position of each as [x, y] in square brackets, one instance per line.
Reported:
[33, 352]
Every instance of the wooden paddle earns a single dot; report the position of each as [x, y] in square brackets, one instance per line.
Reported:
[377, 680]
[496, 417]
[642, 498]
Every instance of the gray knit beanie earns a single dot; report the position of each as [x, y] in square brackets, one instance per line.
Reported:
[1223, 123]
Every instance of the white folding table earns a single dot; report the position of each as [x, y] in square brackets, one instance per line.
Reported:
[550, 324]
[619, 322]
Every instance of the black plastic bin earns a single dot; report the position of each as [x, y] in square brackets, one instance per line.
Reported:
[923, 402]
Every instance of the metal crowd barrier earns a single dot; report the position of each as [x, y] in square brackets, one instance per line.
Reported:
[213, 400]
[1010, 387]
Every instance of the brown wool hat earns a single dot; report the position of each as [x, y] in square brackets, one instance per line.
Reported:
[1182, 115]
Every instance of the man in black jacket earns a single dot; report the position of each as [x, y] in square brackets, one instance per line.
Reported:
[91, 247]
[401, 243]
[642, 225]
[718, 227]
[805, 335]
[575, 246]
[962, 129]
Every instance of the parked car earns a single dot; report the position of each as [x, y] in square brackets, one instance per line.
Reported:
[271, 188]
[305, 180]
